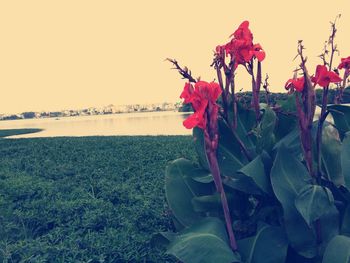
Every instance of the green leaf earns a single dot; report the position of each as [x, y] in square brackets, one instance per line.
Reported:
[255, 171]
[203, 176]
[204, 242]
[269, 245]
[265, 130]
[180, 189]
[331, 155]
[228, 162]
[345, 227]
[313, 201]
[338, 250]
[242, 183]
[245, 124]
[229, 156]
[345, 157]
[291, 141]
[288, 177]
[329, 226]
[227, 138]
[162, 238]
[199, 145]
[209, 203]
[286, 117]
[341, 117]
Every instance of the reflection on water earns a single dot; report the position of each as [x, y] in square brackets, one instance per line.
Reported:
[150, 123]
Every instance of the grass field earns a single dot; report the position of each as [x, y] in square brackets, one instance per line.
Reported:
[85, 199]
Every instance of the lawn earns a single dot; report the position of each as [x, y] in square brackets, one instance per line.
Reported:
[85, 199]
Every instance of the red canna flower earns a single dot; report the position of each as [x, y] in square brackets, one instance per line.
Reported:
[323, 77]
[197, 119]
[187, 92]
[258, 52]
[203, 94]
[345, 63]
[208, 91]
[243, 32]
[241, 47]
[297, 84]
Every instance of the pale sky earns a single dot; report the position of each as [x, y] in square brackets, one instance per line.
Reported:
[70, 54]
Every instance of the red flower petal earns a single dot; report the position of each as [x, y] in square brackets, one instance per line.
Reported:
[297, 84]
[334, 77]
[258, 52]
[215, 91]
[345, 63]
[197, 119]
[187, 93]
[323, 77]
[192, 121]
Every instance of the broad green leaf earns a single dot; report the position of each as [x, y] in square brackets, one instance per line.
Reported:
[288, 177]
[245, 124]
[203, 176]
[242, 183]
[286, 117]
[204, 242]
[291, 141]
[331, 152]
[162, 238]
[329, 226]
[211, 203]
[345, 159]
[227, 138]
[199, 145]
[313, 201]
[345, 227]
[255, 170]
[180, 189]
[338, 250]
[228, 162]
[265, 130]
[269, 245]
[341, 117]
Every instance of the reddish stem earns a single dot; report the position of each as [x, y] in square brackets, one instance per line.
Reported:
[211, 143]
[214, 167]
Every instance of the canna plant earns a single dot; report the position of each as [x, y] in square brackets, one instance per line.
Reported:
[272, 181]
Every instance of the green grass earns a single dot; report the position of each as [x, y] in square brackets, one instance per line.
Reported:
[9, 132]
[87, 199]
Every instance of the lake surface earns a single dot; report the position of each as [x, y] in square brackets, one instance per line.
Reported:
[146, 123]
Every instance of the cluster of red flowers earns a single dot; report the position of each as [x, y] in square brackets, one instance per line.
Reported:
[323, 77]
[202, 96]
[241, 47]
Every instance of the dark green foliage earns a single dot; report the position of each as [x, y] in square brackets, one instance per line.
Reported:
[337, 250]
[280, 211]
[92, 199]
[204, 242]
[257, 249]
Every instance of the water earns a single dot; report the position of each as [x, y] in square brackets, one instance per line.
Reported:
[147, 123]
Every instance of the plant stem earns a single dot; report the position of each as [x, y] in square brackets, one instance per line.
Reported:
[224, 93]
[234, 103]
[211, 143]
[321, 121]
[214, 167]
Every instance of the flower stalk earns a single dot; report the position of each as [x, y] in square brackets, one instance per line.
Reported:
[211, 144]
